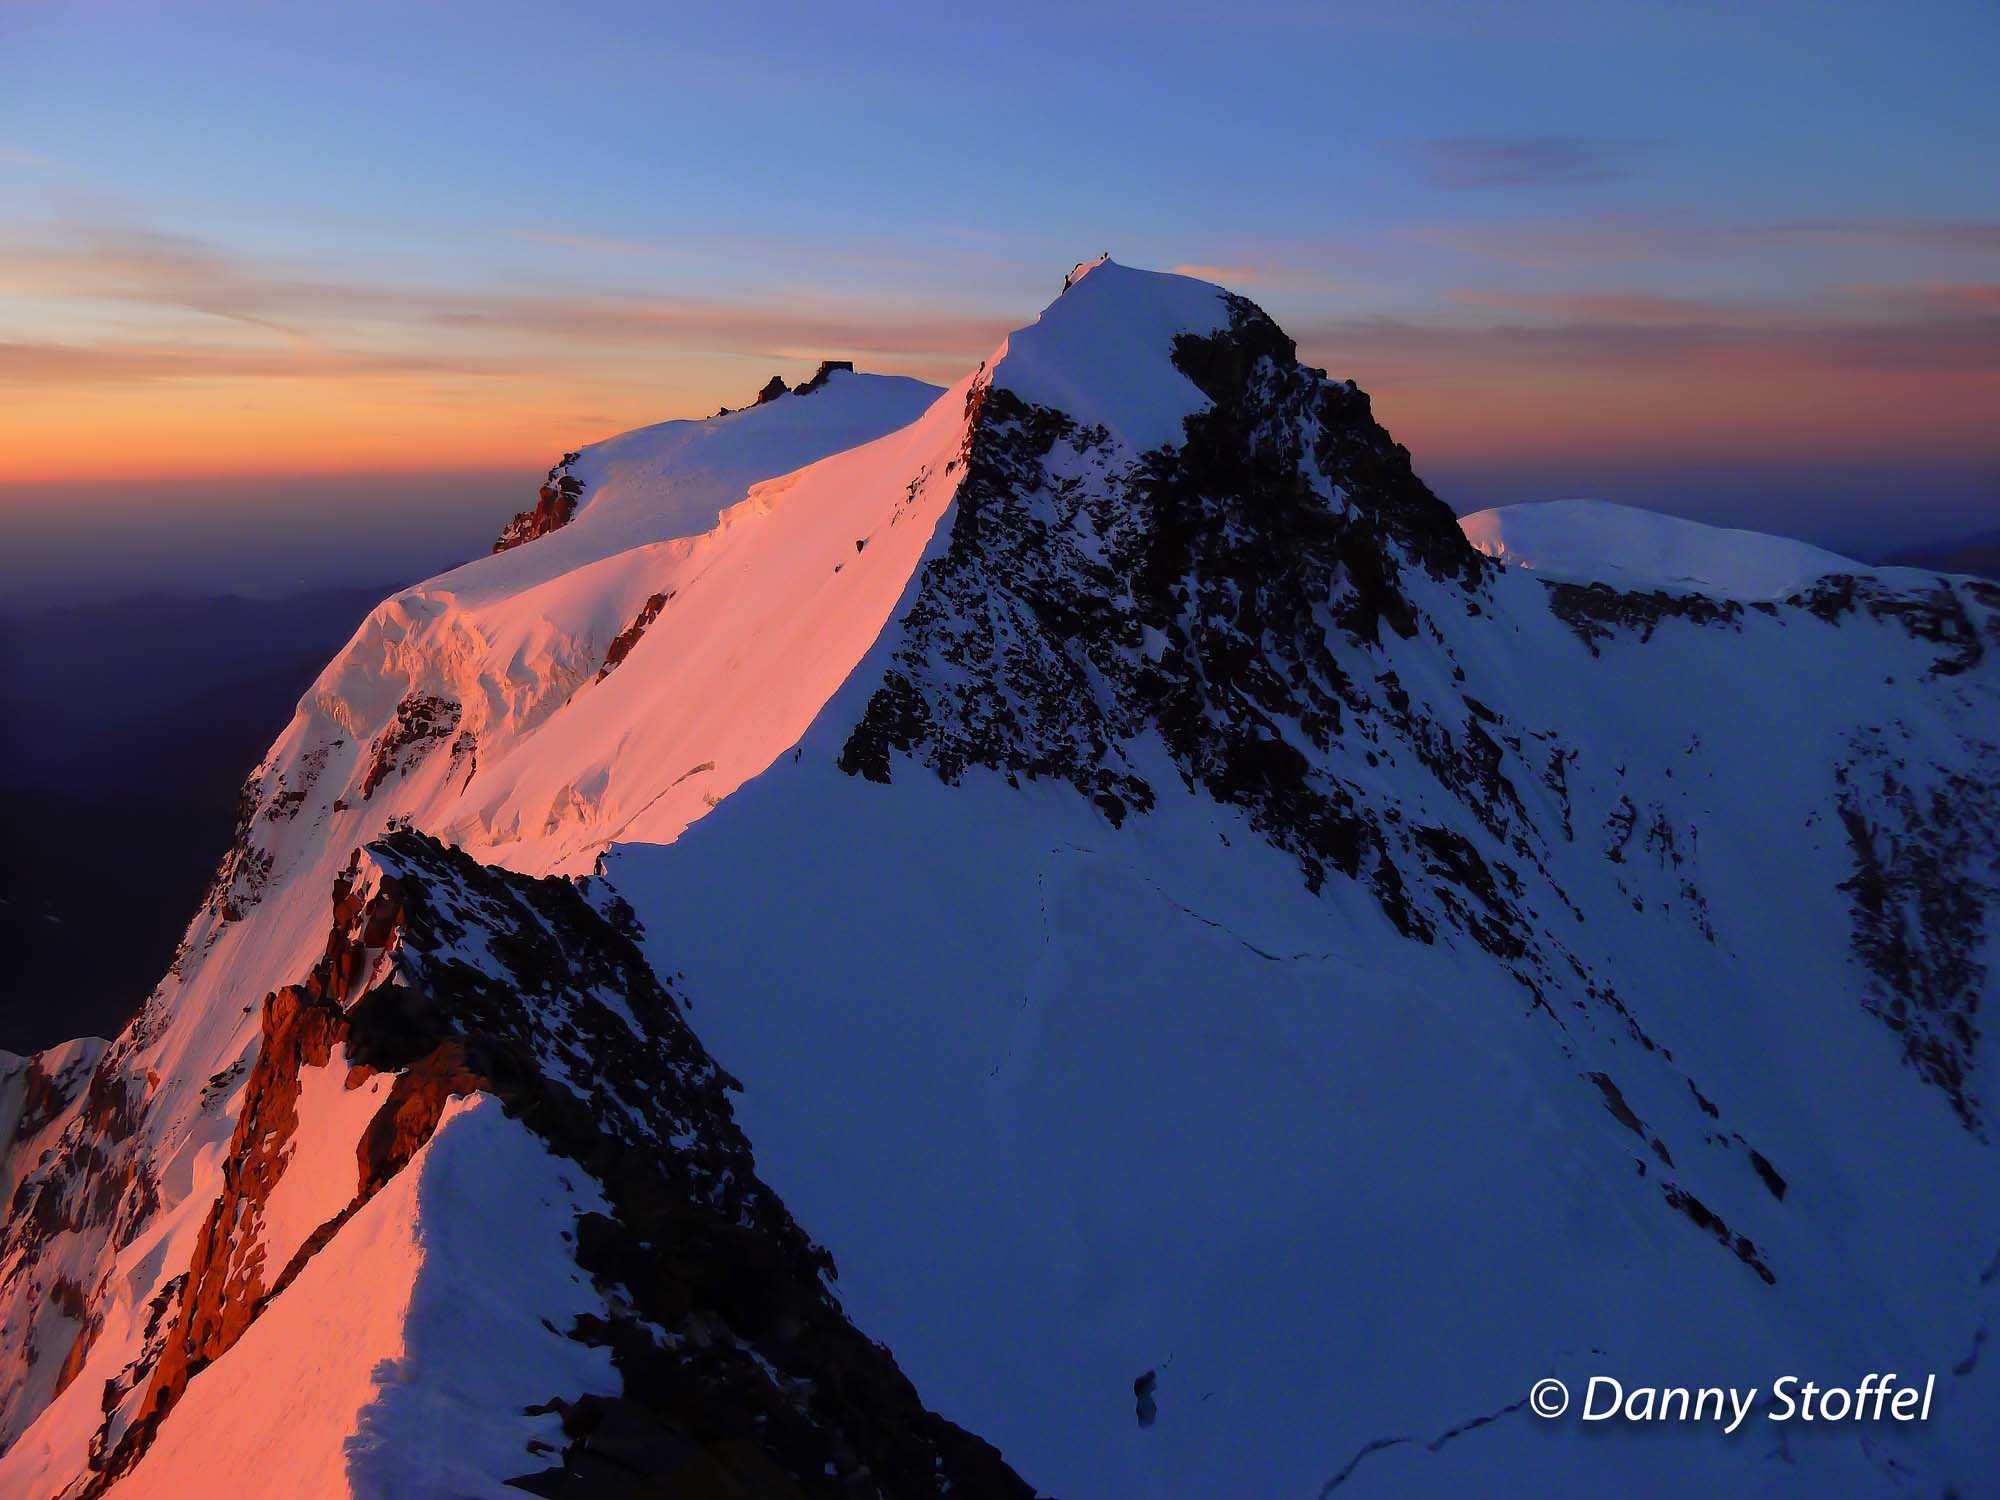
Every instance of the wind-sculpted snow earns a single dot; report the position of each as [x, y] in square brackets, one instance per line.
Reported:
[1241, 983]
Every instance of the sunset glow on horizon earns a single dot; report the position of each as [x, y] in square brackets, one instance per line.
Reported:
[1558, 272]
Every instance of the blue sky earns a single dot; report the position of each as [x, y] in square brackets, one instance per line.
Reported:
[1654, 251]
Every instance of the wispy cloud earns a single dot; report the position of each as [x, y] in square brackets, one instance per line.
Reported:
[1610, 307]
[1647, 336]
[1981, 297]
[268, 356]
[588, 244]
[1982, 236]
[76, 366]
[1226, 275]
[200, 359]
[116, 263]
[1899, 375]
[1615, 240]
[1512, 161]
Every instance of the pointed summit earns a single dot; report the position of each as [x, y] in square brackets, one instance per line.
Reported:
[1103, 351]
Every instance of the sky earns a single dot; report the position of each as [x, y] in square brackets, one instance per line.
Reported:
[280, 282]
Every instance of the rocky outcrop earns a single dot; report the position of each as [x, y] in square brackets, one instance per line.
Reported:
[36, 1090]
[1938, 616]
[422, 720]
[740, 1374]
[555, 504]
[820, 376]
[1598, 613]
[1926, 852]
[622, 643]
[1192, 593]
[776, 387]
[77, 1180]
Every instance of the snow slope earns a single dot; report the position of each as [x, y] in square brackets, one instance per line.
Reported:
[423, 1316]
[1170, 905]
[1582, 540]
[1071, 1099]
[672, 479]
[511, 642]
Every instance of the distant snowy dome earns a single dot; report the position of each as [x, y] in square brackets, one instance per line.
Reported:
[1595, 540]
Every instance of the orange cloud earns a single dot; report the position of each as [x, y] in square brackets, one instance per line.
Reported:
[147, 353]
[154, 352]
[1912, 377]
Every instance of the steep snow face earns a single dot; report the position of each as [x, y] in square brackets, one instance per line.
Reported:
[426, 717]
[1232, 931]
[1594, 540]
[483, 703]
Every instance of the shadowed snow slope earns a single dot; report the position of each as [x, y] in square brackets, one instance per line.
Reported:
[1169, 903]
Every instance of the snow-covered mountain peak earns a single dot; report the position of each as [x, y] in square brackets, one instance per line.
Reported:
[1584, 541]
[1083, 268]
[1103, 351]
[1131, 871]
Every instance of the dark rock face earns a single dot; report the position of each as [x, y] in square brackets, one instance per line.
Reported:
[1926, 856]
[1228, 597]
[245, 870]
[1704, 1217]
[457, 978]
[555, 504]
[46, 1094]
[1925, 844]
[1938, 616]
[89, 1183]
[1197, 593]
[773, 389]
[422, 720]
[622, 643]
[1597, 612]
